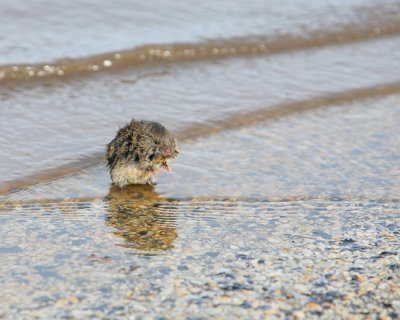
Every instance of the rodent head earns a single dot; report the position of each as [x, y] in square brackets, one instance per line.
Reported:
[158, 146]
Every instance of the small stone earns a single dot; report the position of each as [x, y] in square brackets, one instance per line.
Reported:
[357, 278]
[301, 288]
[307, 253]
[270, 312]
[383, 286]
[299, 314]
[224, 298]
[313, 305]
[63, 302]
[37, 314]
[396, 305]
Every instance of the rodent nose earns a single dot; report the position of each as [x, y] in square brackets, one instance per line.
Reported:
[167, 151]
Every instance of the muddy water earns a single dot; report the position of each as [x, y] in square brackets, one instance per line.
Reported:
[284, 201]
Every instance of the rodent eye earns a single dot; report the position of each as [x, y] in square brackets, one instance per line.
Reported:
[156, 142]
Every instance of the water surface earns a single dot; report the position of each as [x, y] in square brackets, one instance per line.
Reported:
[284, 201]
[74, 119]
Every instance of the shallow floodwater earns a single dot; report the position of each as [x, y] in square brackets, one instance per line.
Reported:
[123, 259]
[74, 119]
[283, 202]
[293, 216]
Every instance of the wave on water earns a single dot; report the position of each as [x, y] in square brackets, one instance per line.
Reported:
[210, 49]
[86, 166]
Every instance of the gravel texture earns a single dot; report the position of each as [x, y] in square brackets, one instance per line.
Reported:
[199, 260]
[304, 224]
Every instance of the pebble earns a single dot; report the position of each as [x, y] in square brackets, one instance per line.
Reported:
[228, 274]
[299, 314]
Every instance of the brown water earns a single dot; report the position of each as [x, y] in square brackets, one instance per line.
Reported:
[287, 116]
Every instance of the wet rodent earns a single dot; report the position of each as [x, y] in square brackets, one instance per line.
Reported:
[139, 150]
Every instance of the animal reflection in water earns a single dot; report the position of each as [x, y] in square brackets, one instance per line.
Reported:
[135, 213]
